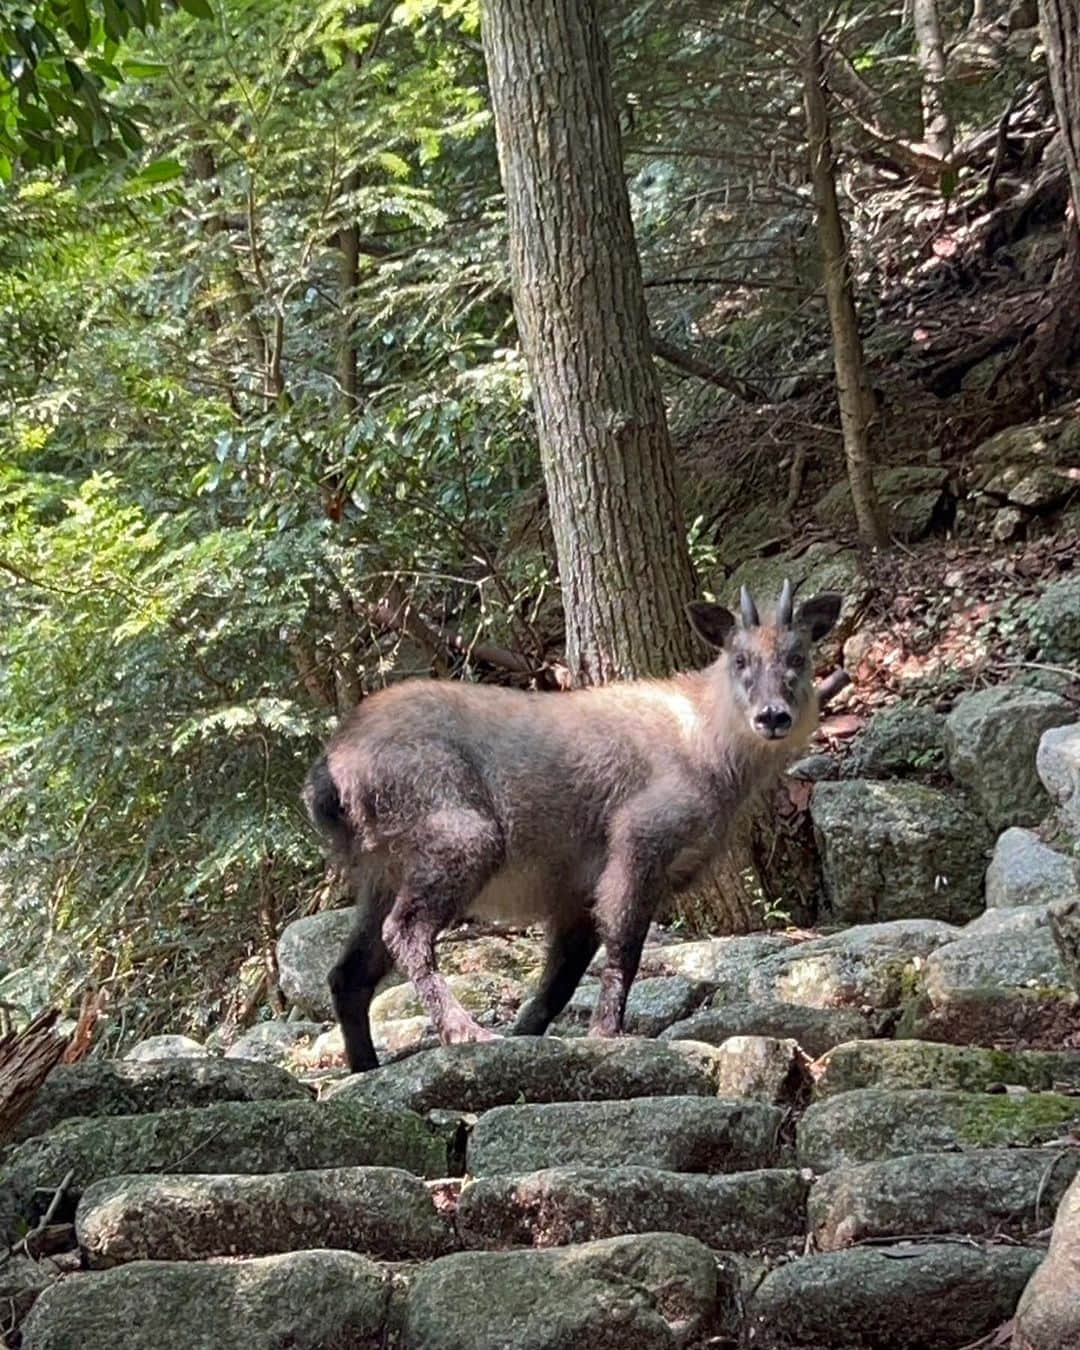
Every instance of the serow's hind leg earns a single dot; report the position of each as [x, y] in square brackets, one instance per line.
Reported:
[569, 952]
[363, 962]
[462, 849]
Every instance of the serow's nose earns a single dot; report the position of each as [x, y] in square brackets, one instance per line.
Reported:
[773, 720]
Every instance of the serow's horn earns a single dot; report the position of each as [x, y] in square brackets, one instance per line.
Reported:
[749, 609]
[784, 608]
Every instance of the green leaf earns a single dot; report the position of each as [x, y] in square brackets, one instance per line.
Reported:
[159, 171]
[200, 8]
[144, 70]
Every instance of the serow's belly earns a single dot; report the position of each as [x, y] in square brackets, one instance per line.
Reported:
[519, 895]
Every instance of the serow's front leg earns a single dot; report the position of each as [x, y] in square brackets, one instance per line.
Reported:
[624, 910]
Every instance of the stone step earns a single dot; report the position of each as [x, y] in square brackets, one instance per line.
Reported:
[678, 1134]
[1014, 1191]
[815, 1030]
[527, 1068]
[103, 1087]
[743, 1211]
[919, 1296]
[760, 1068]
[380, 1211]
[303, 1301]
[654, 1003]
[659, 1291]
[227, 1137]
[926, 1064]
[871, 1124]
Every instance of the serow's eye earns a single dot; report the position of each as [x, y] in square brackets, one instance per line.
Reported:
[740, 661]
[796, 661]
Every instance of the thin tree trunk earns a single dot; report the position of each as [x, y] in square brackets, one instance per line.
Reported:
[27, 1058]
[853, 390]
[580, 309]
[937, 124]
[241, 303]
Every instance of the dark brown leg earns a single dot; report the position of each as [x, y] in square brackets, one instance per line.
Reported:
[569, 952]
[363, 963]
[461, 852]
[627, 897]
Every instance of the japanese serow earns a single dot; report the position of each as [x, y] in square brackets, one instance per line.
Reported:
[582, 811]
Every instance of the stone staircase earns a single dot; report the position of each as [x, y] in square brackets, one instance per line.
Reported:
[555, 1194]
[812, 1141]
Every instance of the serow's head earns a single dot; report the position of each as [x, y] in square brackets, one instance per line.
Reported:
[767, 665]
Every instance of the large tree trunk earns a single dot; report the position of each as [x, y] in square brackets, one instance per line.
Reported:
[580, 308]
[1060, 23]
[853, 389]
[937, 124]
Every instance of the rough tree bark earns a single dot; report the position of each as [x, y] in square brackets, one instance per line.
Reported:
[937, 124]
[580, 309]
[853, 389]
[1060, 24]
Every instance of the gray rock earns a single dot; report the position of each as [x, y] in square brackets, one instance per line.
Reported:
[1023, 871]
[1063, 920]
[491, 998]
[1014, 1191]
[654, 1003]
[934, 1296]
[725, 962]
[992, 737]
[1055, 621]
[306, 951]
[815, 768]
[815, 1030]
[913, 499]
[1002, 979]
[740, 1212]
[925, 1064]
[1058, 765]
[901, 740]
[167, 1047]
[677, 1134]
[275, 1042]
[1048, 1317]
[102, 1087]
[820, 567]
[380, 1211]
[657, 1290]
[760, 1068]
[898, 851]
[868, 965]
[315, 1300]
[527, 1068]
[227, 1137]
[871, 1124]
[22, 1281]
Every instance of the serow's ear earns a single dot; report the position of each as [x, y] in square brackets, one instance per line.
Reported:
[819, 614]
[712, 622]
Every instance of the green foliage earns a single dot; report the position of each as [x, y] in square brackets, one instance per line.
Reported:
[258, 375]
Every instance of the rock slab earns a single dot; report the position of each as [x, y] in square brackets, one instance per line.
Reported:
[677, 1134]
[932, 1296]
[313, 1300]
[101, 1087]
[659, 1290]
[871, 1124]
[898, 850]
[1010, 1190]
[553, 1208]
[380, 1211]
